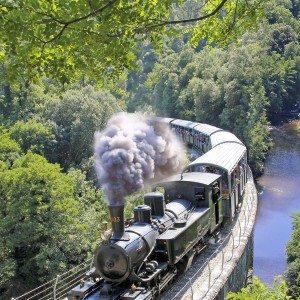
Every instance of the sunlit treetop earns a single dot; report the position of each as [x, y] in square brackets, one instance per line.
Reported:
[65, 39]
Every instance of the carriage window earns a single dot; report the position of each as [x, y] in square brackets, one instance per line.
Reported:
[200, 194]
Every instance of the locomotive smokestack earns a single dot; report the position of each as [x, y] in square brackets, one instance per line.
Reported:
[117, 222]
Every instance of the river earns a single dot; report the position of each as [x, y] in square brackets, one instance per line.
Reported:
[279, 197]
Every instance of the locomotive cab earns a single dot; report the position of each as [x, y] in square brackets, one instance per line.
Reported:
[202, 192]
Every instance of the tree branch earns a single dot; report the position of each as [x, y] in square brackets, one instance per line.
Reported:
[165, 23]
[93, 13]
[152, 23]
[64, 24]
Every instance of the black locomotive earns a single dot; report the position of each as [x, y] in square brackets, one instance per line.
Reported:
[141, 256]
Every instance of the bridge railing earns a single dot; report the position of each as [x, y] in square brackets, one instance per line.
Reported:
[57, 288]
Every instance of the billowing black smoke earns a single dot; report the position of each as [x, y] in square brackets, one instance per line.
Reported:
[133, 151]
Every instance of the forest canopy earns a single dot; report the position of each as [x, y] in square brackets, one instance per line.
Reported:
[66, 39]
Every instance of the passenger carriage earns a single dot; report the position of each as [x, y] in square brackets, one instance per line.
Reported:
[194, 134]
[228, 160]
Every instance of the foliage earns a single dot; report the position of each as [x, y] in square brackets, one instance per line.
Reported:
[293, 259]
[66, 39]
[25, 101]
[9, 149]
[32, 135]
[258, 139]
[258, 290]
[216, 87]
[131, 202]
[58, 126]
[42, 228]
[35, 193]
[75, 119]
[238, 88]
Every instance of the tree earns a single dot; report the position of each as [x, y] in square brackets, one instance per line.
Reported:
[67, 38]
[258, 290]
[293, 259]
[37, 208]
[92, 209]
[10, 150]
[24, 101]
[163, 84]
[170, 95]
[76, 117]
[280, 82]
[207, 95]
[32, 135]
[257, 132]
[42, 229]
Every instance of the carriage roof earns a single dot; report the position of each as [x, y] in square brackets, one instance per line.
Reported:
[224, 156]
[193, 177]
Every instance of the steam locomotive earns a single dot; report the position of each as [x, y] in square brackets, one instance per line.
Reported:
[141, 256]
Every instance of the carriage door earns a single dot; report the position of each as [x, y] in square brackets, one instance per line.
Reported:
[234, 193]
[215, 199]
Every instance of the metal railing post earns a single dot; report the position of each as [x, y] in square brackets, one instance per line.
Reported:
[231, 235]
[245, 220]
[54, 287]
[191, 288]
[248, 208]
[240, 231]
[222, 260]
[208, 276]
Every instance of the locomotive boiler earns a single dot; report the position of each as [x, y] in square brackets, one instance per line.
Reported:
[139, 257]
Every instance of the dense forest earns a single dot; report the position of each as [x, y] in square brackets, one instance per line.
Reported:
[51, 204]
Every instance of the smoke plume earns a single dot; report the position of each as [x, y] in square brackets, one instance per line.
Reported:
[133, 151]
